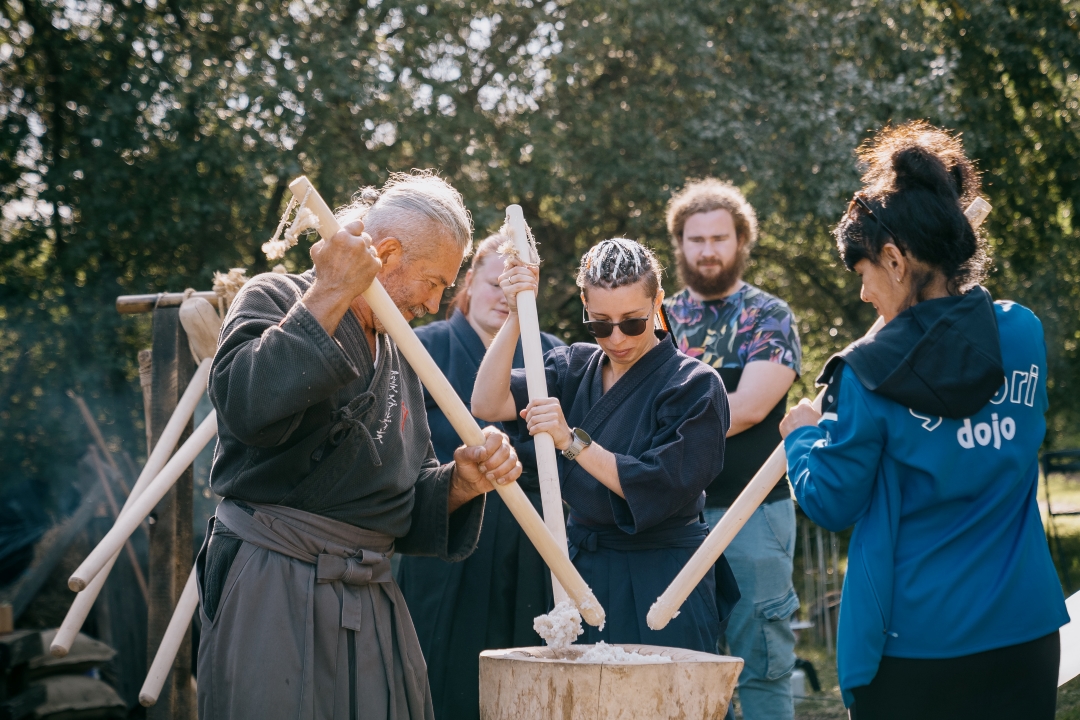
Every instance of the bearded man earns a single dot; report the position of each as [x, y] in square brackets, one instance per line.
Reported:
[325, 464]
[751, 339]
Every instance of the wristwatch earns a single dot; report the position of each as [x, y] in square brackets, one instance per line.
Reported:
[579, 440]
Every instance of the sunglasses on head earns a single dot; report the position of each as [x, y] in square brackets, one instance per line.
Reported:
[631, 327]
[859, 203]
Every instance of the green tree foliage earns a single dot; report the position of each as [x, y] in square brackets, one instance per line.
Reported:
[144, 145]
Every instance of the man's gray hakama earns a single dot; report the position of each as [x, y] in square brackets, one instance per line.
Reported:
[310, 624]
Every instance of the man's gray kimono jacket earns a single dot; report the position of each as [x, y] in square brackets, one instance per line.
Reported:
[325, 464]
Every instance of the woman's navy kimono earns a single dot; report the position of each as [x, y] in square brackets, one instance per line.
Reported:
[490, 599]
[665, 421]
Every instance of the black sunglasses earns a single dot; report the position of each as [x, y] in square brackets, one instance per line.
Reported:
[631, 327]
[860, 203]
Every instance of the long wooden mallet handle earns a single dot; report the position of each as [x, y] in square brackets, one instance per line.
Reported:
[547, 464]
[459, 417]
[749, 499]
[84, 601]
[170, 642]
[143, 505]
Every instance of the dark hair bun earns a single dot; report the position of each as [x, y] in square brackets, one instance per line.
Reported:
[918, 182]
[917, 167]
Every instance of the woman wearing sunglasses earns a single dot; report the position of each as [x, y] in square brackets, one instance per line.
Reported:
[641, 428]
[928, 445]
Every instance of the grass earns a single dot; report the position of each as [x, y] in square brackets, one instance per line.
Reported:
[1065, 493]
[827, 705]
[823, 705]
[1068, 702]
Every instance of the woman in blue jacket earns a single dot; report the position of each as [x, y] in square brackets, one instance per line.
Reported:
[928, 444]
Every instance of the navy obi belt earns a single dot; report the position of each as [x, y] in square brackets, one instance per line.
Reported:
[674, 533]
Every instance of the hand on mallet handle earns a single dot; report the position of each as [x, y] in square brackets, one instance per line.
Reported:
[479, 468]
[345, 266]
[545, 415]
[802, 415]
[517, 278]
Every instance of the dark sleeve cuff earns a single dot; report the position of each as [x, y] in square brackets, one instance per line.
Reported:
[435, 531]
[328, 348]
[519, 388]
[624, 516]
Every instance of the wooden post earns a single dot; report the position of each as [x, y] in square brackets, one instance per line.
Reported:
[145, 380]
[171, 532]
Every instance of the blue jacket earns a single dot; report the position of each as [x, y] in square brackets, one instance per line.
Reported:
[948, 556]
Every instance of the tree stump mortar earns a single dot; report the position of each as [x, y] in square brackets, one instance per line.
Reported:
[539, 683]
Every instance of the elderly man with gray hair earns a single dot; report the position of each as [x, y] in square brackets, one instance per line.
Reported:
[325, 464]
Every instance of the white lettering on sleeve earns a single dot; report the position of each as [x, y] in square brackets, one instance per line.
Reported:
[1002, 394]
[1019, 382]
[1008, 428]
[985, 433]
[1033, 384]
[963, 435]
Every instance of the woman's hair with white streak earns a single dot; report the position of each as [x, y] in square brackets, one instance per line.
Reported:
[407, 205]
[617, 262]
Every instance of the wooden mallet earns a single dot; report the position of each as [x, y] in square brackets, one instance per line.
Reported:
[547, 463]
[459, 417]
[170, 642]
[668, 604]
[202, 325]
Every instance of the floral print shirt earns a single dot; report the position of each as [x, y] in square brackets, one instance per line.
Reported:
[747, 326]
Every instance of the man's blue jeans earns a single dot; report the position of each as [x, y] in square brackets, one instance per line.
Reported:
[759, 629]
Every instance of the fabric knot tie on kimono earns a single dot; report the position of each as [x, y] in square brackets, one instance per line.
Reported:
[353, 417]
[365, 568]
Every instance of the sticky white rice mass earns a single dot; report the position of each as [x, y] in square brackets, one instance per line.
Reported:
[560, 627]
[601, 652]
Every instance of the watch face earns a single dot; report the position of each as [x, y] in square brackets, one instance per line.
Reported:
[582, 436]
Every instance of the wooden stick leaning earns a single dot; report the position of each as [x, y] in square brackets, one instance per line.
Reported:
[84, 601]
[99, 469]
[99, 439]
[202, 325]
[460, 418]
[133, 515]
[170, 642]
[668, 604]
[547, 464]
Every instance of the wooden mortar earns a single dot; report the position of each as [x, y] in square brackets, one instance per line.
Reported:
[538, 683]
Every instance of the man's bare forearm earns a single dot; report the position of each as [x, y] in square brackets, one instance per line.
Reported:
[327, 307]
[745, 413]
[460, 493]
[761, 387]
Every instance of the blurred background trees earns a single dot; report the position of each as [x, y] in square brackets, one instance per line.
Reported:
[144, 145]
